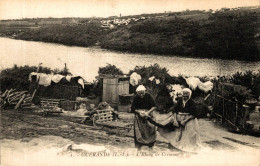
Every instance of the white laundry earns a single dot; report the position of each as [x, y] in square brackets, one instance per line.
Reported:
[44, 79]
[68, 78]
[135, 78]
[151, 78]
[81, 82]
[193, 82]
[57, 77]
[32, 74]
[157, 81]
[206, 87]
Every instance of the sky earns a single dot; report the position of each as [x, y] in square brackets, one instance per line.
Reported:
[17, 9]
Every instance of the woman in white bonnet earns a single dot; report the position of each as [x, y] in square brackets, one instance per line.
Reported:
[144, 132]
[181, 128]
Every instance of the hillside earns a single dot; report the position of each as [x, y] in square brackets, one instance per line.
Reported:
[230, 34]
[225, 34]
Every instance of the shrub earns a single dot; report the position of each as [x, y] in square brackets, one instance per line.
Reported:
[17, 77]
[110, 69]
[159, 91]
[248, 79]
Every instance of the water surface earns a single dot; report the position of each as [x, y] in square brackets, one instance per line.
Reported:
[86, 61]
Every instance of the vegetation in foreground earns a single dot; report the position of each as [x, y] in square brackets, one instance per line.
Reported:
[17, 78]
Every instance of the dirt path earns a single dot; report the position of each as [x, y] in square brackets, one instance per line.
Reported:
[29, 133]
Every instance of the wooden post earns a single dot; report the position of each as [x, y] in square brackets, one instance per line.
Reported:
[20, 102]
[223, 105]
[36, 80]
[236, 109]
[214, 100]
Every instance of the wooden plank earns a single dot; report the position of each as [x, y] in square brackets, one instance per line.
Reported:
[26, 104]
[123, 87]
[28, 99]
[19, 103]
[46, 99]
[51, 106]
[50, 102]
[109, 91]
[48, 107]
[57, 101]
[104, 95]
[120, 88]
[126, 87]
[8, 93]
[114, 91]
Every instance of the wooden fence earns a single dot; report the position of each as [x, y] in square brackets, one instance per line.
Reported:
[229, 110]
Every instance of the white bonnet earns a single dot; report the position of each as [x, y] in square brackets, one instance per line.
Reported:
[140, 88]
[187, 90]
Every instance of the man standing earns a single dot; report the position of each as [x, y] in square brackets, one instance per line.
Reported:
[143, 105]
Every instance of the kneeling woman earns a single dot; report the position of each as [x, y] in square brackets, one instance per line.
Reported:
[181, 127]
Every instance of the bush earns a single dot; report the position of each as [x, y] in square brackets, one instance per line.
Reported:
[155, 70]
[110, 69]
[248, 79]
[18, 77]
[159, 91]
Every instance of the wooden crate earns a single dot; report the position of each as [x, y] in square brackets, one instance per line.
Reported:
[48, 106]
[104, 115]
[104, 118]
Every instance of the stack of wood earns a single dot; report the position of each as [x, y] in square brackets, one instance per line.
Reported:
[18, 99]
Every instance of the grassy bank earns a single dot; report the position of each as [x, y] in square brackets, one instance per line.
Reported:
[230, 34]
[225, 34]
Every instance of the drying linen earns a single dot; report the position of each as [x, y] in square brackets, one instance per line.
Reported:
[44, 79]
[193, 82]
[57, 77]
[151, 78]
[134, 79]
[68, 78]
[157, 81]
[32, 74]
[205, 87]
[81, 82]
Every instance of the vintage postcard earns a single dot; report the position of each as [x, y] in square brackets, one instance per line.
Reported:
[118, 82]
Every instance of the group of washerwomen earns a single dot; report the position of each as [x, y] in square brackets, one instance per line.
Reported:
[179, 126]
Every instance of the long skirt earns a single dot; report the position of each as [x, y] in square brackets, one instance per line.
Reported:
[144, 132]
[184, 138]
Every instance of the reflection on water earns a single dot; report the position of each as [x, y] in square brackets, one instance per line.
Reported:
[86, 61]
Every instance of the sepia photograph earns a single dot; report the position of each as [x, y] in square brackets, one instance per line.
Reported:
[129, 82]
